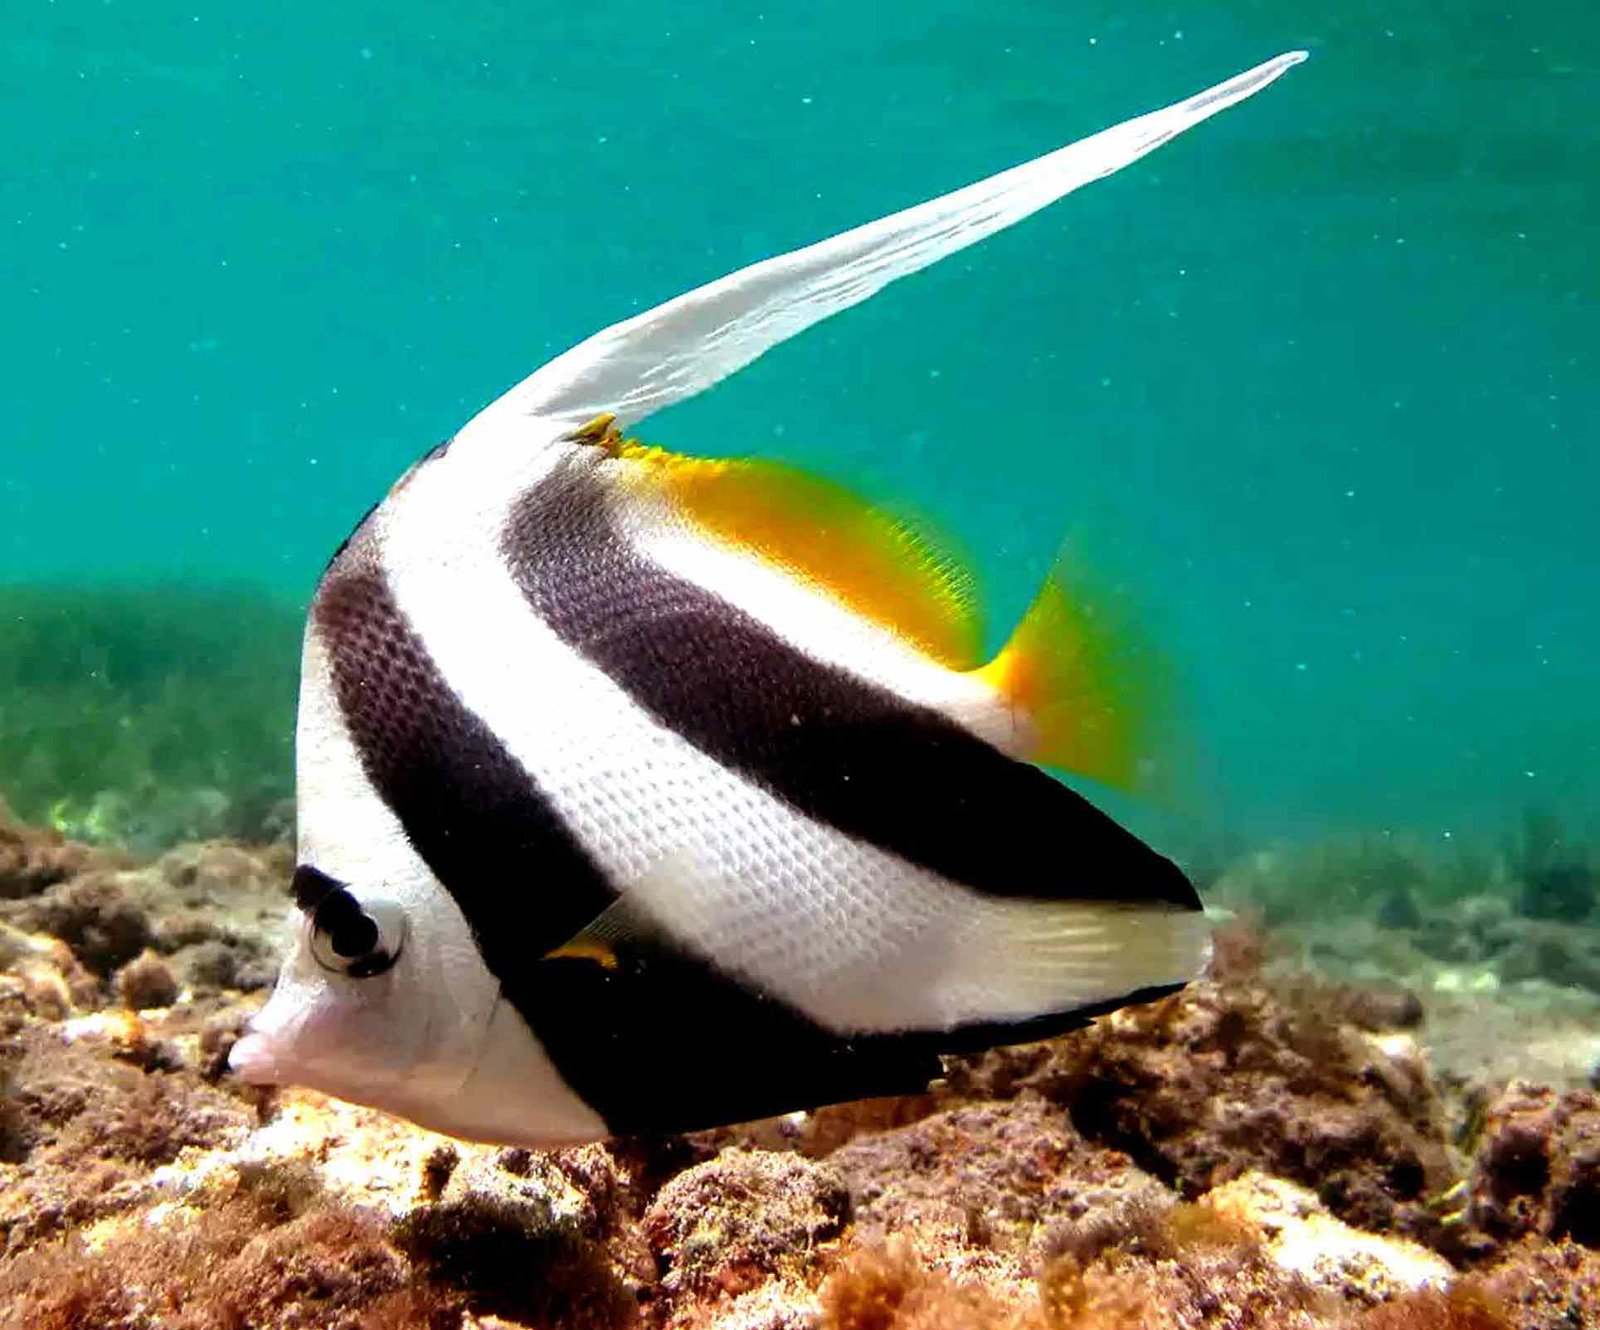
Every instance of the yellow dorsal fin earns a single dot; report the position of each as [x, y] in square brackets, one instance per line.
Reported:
[879, 564]
[1090, 689]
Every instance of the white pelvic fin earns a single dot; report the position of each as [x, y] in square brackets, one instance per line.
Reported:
[682, 347]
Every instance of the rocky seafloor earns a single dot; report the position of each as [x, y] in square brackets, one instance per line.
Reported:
[1275, 1147]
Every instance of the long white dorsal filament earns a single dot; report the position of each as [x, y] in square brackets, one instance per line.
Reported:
[682, 347]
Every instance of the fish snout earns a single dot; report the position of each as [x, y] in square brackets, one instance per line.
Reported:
[255, 1060]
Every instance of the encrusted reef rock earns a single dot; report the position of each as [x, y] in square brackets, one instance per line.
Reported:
[1538, 1166]
[1256, 1152]
[86, 1122]
[32, 858]
[1303, 1239]
[1545, 1286]
[96, 914]
[1235, 1075]
[40, 977]
[214, 910]
[746, 1219]
[1011, 1178]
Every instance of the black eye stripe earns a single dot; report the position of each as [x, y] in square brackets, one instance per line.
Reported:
[311, 887]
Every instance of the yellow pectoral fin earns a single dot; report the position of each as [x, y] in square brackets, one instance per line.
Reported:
[622, 927]
[879, 564]
[585, 948]
[1090, 689]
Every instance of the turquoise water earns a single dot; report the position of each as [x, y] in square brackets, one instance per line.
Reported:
[1320, 378]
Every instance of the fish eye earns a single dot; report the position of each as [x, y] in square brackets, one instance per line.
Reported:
[357, 938]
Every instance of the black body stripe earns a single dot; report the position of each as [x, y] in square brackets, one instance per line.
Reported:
[467, 806]
[645, 1044]
[832, 745]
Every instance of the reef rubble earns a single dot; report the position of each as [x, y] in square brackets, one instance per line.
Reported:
[1271, 1148]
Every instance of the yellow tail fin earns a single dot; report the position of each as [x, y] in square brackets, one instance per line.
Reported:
[1089, 689]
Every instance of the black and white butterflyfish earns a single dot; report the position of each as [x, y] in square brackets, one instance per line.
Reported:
[640, 791]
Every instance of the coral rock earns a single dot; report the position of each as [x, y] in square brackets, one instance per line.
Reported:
[42, 975]
[146, 981]
[33, 858]
[1301, 1237]
[229, 1267]
[1235, 1075]
[1538, 1166]
[516, 1235]
[1545, 1286]
[1004, 1176]
[94, 915]
[86, 1130]
[222, 911]
[724, 1226]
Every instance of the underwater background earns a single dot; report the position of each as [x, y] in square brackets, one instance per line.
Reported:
[1318, 382]
[1312, 390]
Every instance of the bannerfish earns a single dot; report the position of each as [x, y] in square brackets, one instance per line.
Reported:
[640, 791]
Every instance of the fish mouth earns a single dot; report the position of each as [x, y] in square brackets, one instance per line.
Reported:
[255, 1060]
